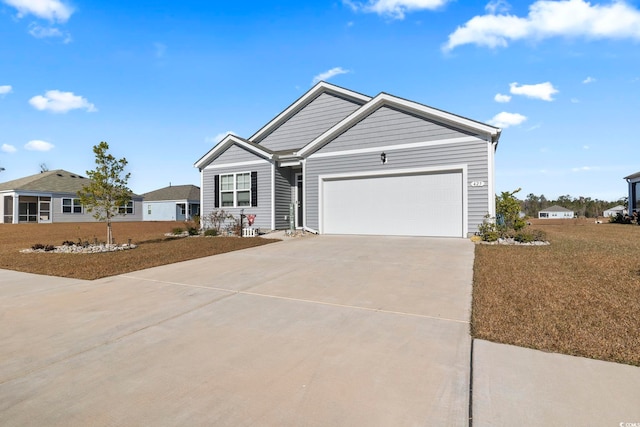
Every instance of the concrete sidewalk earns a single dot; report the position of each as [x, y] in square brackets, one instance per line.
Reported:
[524, 387]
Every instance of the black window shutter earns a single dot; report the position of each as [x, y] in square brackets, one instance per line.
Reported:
[216, 185]
[254, 188]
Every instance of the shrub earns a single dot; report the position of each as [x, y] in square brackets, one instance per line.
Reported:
[37, 246]
[177, 230]
[48, 248]
[211, 232]
[193, 231]
[216, 219]
[620, 219]
[488, 230]
[524, 236]
[68, 243]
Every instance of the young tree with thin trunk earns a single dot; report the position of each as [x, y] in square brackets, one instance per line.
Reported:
[107, 194]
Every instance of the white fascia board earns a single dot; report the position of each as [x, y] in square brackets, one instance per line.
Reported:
[391, 148]
[237, 164]
[228, 141]
[304, 100]
[384, 99]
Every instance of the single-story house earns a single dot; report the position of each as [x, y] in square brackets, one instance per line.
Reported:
[172, 203]
[51, 196]
[634, 193]
[340, 162]
[556, 212]
[615, 211]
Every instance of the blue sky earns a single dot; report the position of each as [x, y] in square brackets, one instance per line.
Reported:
[160, 81]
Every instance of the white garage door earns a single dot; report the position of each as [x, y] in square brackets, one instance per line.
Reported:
[399, 205]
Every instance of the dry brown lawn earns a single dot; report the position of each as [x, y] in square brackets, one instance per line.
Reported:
[578, 296]
[154, 248]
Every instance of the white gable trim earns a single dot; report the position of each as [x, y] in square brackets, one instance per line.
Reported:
[384, 99]
[305, 99]
[235, 165]
[227, 142]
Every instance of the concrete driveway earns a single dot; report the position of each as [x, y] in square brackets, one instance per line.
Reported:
[313, 331]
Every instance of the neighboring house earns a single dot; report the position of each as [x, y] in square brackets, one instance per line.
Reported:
[51, 196]
[634, 192]
[555, 212]
[615, 211]
[340, 162]
[172, 203]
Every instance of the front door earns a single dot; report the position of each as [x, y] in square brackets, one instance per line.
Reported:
[298, 201]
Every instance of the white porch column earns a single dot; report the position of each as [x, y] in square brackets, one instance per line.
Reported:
[16, 199]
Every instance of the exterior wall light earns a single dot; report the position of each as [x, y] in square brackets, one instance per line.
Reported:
[383, 158]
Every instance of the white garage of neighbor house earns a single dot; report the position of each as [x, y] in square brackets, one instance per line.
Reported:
[172, 203]
[555, 212]
[619, 209]
[348, 163]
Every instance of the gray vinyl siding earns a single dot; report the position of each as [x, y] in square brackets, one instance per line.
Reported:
[316, 117]
[283, 189]
[387, 126]
[262, 211]
[235, 154]
[58, 216]
[473, 154]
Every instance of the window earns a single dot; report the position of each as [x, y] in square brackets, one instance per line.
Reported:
[71, 206]
[235, 189]
[126, 209]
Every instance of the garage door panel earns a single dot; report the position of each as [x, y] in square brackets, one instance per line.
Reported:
[404, 205]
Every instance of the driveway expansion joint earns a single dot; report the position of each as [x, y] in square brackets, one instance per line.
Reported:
[302, 300]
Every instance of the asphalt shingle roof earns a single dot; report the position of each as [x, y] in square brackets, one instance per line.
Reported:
[173, 192]
[56, 181]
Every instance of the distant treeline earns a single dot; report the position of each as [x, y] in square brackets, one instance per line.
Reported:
[581, 206]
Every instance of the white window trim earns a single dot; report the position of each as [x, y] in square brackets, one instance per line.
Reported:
[235, 189]
[73, 205]
[125, 207]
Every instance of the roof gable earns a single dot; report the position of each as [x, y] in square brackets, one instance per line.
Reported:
[556, 208]
[227, 142]
[306, 124]
[404, 105]
[303, 101]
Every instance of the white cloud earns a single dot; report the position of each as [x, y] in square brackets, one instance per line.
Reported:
[497, 6]
[588, 80]
[8, 148]
[584, 169]
[219, 137]
[395, 9]
[61, 102]
[502, 98]
[543, 91]
[546, 19]
[52, 10]
[504, 120]
[38, 145]
[40, 32]
[5, 89]
[329, 74]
